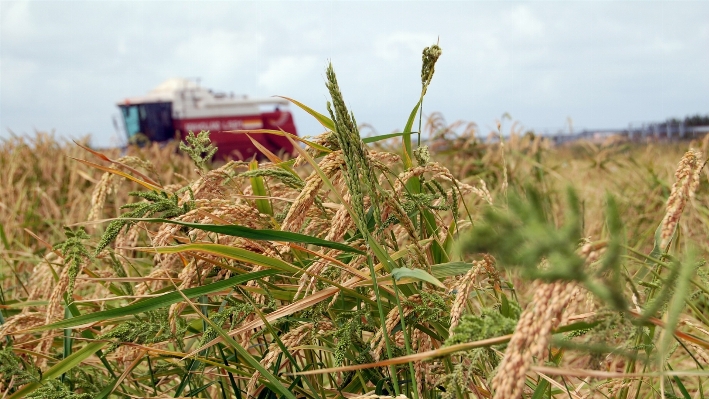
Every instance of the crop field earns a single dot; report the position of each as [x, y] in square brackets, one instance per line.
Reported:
[375, 268]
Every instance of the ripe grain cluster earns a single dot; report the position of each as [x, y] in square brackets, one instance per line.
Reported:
[428, 263]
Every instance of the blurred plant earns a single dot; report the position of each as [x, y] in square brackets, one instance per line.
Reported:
[258, 274]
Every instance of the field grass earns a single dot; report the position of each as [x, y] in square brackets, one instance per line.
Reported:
[461, 269]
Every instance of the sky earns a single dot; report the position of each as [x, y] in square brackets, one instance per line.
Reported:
[65, 65]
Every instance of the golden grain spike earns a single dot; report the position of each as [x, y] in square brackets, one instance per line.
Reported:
[687, 180]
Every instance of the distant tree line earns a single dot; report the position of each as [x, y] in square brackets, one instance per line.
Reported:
[694, 120]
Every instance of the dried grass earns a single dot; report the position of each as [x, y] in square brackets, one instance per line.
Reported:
[300, 310]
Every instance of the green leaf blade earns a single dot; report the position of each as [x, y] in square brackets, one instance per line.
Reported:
[417, 274]
[255, 234]
[155, 303]
[324, 120]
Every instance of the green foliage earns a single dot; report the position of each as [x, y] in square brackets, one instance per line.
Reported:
[88, 380]
[431, 309]
[54, 389]
[349, 332]
[429, 57]
[681, 290]
[359, 175]
[289, 179]
[422, 155]
[199, 148]
[154, 328]
[523, 235]
[416, 201]
[480, 361]
[236, 312]
[490, 323]
[14, 369]
[156, 203]
[433, 197]
[75, 254]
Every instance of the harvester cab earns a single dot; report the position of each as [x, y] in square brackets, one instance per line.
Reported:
[178, 106]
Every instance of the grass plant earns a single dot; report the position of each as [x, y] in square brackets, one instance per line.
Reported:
[375, 268]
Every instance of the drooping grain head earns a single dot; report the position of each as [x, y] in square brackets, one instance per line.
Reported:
[329, 165]
[462, 289]
[686, 182]
[531, 336]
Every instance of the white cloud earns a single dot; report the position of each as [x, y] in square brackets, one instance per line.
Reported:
[665, 46]
[398, 45]
[16, 20]
[17, 74]
[524, 22]
[286, 72]
[122, 47]
[220, 52]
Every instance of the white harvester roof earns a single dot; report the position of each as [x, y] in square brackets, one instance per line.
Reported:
[189, 99]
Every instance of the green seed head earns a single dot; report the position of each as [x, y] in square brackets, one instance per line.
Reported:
[430, 56]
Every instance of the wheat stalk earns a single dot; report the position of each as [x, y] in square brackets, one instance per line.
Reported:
[531, 336]
[463, 288]
[686, 182]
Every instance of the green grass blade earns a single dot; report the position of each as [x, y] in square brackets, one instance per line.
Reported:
[284, 350]
[155, 303]
[408, 151]
[680, 385]
[60, 368]
[196, 391]
[448, 269]
[541, 390]
[416, 274]
[192, 368]
[283, 134]
[3, 237]
[374, 139]
[232, 381]
[578, 326]
[228, 252]
[274, 383]
[67, 341]
[88, 334]
[254, 234]
[324, 120]
[407, 342]
[107, 390]
[259, 188]
[379, 252]
[248, 257]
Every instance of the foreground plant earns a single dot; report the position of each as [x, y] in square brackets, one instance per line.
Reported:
[523, 237]
[339, 267]
[337, 274]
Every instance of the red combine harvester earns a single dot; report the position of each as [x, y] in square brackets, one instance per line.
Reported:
[178, 106]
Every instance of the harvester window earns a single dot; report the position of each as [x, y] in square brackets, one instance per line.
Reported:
[154, 120]
[130, 116]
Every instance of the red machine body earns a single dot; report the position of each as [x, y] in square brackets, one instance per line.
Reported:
[178, 106]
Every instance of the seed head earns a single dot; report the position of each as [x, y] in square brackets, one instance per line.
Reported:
[687, 180]
[429, 57]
